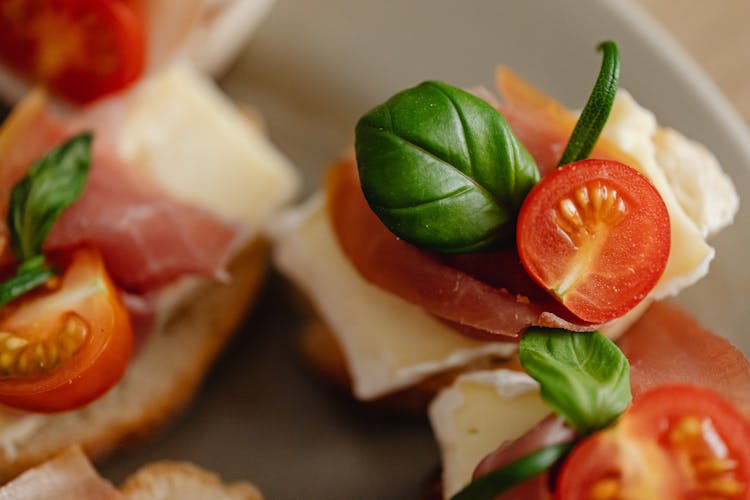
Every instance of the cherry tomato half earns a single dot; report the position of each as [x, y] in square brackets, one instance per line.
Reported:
[63, 347]
[596, 234]
[676, 442]
[82, 49]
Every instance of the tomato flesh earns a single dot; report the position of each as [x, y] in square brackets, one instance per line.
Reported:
[676, 442]
[82, 49]
[63, 347]
[596, 235]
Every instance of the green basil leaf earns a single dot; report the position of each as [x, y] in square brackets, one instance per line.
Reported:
[442, 169]
[583, 376]
[52, 184]
[30, 274]
[512, 474]
[595, 113]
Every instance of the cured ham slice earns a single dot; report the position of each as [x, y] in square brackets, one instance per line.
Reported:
[69, 476]
[428, 280]
[146, 239]
[668, 346]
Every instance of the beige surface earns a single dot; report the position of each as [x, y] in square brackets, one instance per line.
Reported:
[715, 34]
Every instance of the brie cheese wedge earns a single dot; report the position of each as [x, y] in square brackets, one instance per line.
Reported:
[477, 413]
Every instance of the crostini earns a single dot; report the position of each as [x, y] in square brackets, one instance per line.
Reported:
[408, 319]
[162, 212]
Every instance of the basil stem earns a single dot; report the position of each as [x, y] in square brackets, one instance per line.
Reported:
[442, 168]
[583, 376]
[52, 184]
[512, 474]
[597, 109]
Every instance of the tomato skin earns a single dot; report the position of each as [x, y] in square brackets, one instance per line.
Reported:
[596, 235]
[87, 292]
[649, 454]
[82, 49]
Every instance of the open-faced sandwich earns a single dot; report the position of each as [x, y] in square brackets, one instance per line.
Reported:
[129, 245]
[432, 251]
[70, 475]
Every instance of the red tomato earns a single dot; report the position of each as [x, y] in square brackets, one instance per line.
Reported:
[675, 442]
[64, 347]
[596, 234]
[82, 49]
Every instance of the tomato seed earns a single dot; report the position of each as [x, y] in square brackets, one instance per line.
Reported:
[605, 489]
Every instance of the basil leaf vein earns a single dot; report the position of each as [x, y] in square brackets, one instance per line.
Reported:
[583, 376]
[442, 168]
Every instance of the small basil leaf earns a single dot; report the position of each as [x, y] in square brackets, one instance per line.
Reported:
[26, 279]
[442, 169]
[583, 376]
[52, 184]
[512, 474]
[595, 113]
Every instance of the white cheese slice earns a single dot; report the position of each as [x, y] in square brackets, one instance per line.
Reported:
[389, 343]
[476, 414]
[181, 130]
[701, 187]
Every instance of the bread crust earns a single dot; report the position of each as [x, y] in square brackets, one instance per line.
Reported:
[177, 480]
[159, 383]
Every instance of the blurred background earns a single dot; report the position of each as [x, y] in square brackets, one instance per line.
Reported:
[716, 35]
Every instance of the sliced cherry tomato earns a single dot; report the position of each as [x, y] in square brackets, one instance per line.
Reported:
[63, 347]
[596, 234]
[82, 49]
[676, 442]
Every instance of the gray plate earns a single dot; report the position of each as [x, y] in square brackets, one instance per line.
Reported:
[312, 69]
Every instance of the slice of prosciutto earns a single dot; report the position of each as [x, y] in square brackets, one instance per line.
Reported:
[667, 346]
[146, 238]
[458, 289]
[68, 476]
[664, 346]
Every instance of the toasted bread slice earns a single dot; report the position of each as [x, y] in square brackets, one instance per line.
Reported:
[70, 475]
[160, 381]
[168, 480]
